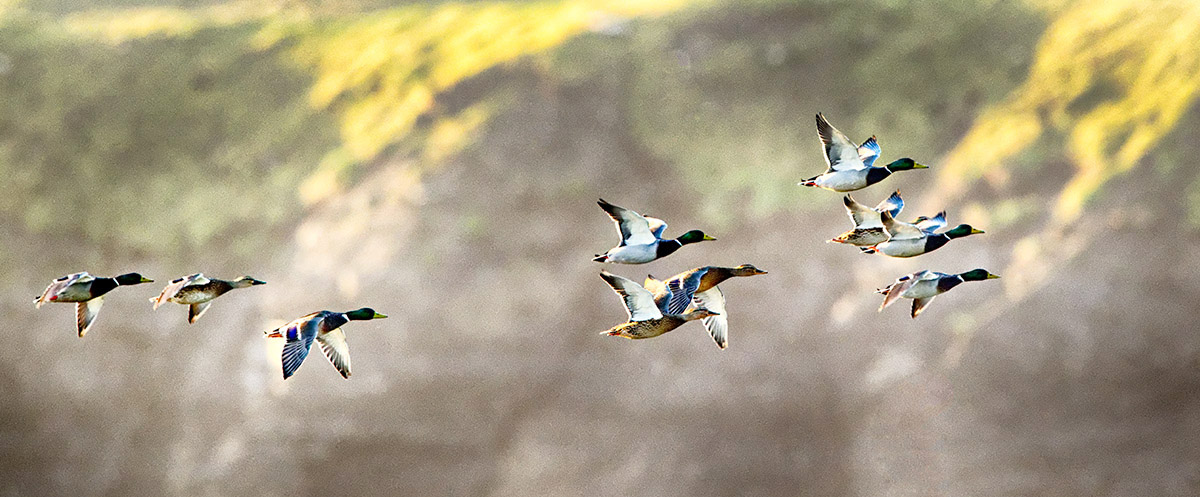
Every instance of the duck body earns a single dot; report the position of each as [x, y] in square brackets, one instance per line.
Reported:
[322, 327]
[641, 237]
[646, 320]
[87, 293]
[705, 295]
[851, 167]
[197, 291]
[911, 240]
[923, 286]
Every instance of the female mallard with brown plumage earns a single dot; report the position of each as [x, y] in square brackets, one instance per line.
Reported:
[197, 292]
[706, 295]
[646, 320]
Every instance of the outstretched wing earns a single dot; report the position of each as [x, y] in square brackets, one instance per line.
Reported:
[657, 226]
[333, 344]
[840, 153]
[900, 286]
[863, 216]
[919, 306]
[897, 230]
[662, 294]
[635, 229]
[869, 151]
[85, 314]
[717, 325]
[892, 205]
[57, 286]
[639, 302]
[176, 285]
[197, 310]
[932, 224]
[683, 289]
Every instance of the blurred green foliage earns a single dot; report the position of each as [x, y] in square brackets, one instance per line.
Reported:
[207, 120]
[154, 145]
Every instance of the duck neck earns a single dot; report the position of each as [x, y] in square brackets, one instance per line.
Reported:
[945, 284]
[667, 247]
[101, 286]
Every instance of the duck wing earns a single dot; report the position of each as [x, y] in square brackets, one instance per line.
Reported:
[197, 310]
[683, 289]
[717, 325]
[85, 314]
[903, 284]
[662, 294]
[898, 230]
[657, 226]
[861, 214]
[334, 345]
[639, 302]
[300, 335]
[635, 229]
[919, 306]
[176, 285]
[892, 205]
[932, 224]
[840, 153]
[57, 286]
[869, 151]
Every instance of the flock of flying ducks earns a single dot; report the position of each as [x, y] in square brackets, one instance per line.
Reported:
[655, 307]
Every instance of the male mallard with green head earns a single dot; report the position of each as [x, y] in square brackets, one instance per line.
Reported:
[321, 326]
[646, 320]
[641, 240]
[197, 291]
[923, 286]
[706, 295]
[87, 293]
[910, 240]
[851, 167]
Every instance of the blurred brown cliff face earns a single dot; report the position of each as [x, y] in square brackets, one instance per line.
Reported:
[473, 231]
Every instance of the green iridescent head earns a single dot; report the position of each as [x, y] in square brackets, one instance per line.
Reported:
[978, 275]
[132, 279]
[962, 230]
[364, 314]
[904, 165]
[693, 237]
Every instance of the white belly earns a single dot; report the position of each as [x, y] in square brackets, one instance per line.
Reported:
[633, 254]
[843, 181]
[908, 247]
[921, 290]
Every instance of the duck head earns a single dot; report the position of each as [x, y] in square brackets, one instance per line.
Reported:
[693, 237]
[962, 230]
[747, 270]
[246, 281]
[132, 279]
[978, 275]
[364, 314]
[904, 165]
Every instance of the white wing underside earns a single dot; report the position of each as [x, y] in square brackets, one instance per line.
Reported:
[639, 302]
[718, 325]
[334, 345]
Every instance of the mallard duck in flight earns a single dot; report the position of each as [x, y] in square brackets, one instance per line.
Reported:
[852, 167]
[706, 295]
[909, 240]
[197, 291]
[321, 326]
[646, 320]
[87, 293]
[923, 286]
[868, 228]
[641, 237]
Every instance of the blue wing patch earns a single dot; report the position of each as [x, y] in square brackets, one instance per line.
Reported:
[869, 151]
[682, 291]
[294, 352]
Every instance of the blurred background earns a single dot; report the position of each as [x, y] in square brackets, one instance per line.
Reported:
[440, 162]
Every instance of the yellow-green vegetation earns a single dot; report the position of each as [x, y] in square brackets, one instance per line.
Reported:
[1111, 79]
